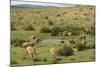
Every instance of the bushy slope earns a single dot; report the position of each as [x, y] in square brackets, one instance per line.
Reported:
[76, 18]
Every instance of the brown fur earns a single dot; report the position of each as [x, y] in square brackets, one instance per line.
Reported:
[53, 53]
[25, 44]
[31, 51]
[73, 43]
[65, 33]
[82, 40]
[32, 38]
[33, 41]
[37, 40]
[69, 33]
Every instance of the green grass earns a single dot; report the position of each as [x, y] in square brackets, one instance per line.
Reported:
[79, 56]
[43, 50]
[27, 34]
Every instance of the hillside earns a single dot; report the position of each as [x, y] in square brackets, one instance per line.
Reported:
[76, 17]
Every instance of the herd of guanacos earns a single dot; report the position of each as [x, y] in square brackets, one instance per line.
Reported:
[30, 46]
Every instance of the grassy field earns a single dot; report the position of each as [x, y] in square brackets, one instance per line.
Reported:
[45, 23]
[43, 50]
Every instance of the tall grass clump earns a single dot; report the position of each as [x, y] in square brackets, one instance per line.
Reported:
[28, 27]
[90, 46]
[13, 62]
[55, 30]
[50, 22]
[81, 46]
[65, 51]
[13, 26]
[75, 29]
[45, 29]
[16, 42]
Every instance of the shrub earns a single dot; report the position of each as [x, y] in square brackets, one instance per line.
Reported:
[44, 59]
[76, 30]
[90, 46]
[92, 30]
[29, 27]
[90, 8]
[54, 61]
[37, 59]
[13, 26]
[20, 17]
[81, 46]
[85, 14]
[16, 42]
[75, 19]
[46, 17]
[58, 58]
[45, 30]
[50, 22]
[87, 19]
[58, 15]
[13, 62]
[65, 51]
[55, 30]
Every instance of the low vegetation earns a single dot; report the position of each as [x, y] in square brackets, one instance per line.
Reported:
[65, 51]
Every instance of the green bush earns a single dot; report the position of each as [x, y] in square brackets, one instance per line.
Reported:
[93, 30]
[90, 30]
[75, 29]
[90, 46]
[29, 27]
[13, 62]
[50, 22]
[55, 30]
[81, 46]
[45, 30]
[54, 61]
[13, 26]
[65, 51]
[16, 42]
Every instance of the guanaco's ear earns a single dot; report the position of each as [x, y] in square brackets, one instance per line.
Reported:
[33, 37]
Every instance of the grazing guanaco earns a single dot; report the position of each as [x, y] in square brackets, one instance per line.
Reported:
[31, 51]
[65, 33]
[82, 40]
[26, 44]
[37, 40]
[73, 43]
[53, 54]
[32, 38]
[69, 33]
[33, 42]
